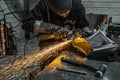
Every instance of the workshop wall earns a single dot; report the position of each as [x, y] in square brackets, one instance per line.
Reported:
[15, 5]
[109, 7]
[20, 7]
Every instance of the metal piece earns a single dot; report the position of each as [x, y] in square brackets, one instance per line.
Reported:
[99, 41]
[73, 71]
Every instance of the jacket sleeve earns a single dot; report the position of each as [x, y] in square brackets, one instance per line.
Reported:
[81, 21]
[35, 15]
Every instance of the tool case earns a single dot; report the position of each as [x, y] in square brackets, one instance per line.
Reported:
[114, 29]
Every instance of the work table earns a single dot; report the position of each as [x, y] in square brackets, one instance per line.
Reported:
[51, 73]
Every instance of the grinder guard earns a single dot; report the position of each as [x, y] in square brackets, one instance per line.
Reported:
[104, 49]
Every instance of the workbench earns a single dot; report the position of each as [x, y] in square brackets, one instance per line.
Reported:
[51, 73]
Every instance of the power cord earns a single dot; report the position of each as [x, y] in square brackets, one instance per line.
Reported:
[15, 15]
[26, 42]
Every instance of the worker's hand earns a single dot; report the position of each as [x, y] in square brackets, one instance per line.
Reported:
[77, 33]
[61, 33]
[58, 31]
[87, 31]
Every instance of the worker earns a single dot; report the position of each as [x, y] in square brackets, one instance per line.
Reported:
[57, 16]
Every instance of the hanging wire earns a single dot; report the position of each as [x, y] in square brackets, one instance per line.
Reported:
[12, 11]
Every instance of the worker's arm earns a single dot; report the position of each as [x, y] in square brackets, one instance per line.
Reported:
[35, 21]
[34, 16]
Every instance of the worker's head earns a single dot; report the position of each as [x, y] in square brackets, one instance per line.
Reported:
[61, 7]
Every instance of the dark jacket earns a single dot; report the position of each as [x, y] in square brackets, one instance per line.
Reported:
[42, 12]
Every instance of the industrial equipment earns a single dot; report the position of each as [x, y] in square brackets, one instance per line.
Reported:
[7, 38]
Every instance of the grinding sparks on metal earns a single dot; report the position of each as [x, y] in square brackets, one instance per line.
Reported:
[37, 58]
[17, 68]
[55, 47]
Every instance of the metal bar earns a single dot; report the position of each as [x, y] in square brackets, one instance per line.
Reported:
[79, 64]
[72, 71]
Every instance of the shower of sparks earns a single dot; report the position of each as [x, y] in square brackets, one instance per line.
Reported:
[19, 66]
[54, 48]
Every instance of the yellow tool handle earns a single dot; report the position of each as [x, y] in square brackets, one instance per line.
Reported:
[45, 37]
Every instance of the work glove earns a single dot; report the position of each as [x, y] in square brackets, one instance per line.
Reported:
[62, 33]
[77, 32]
[44, 27]
[87, 31]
